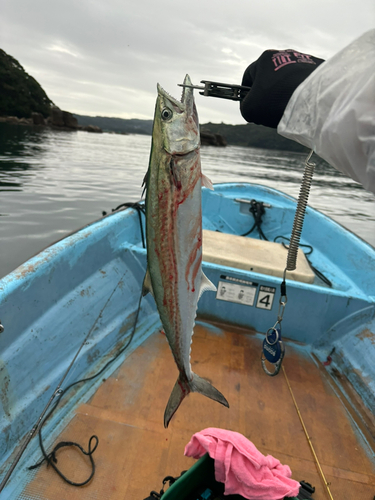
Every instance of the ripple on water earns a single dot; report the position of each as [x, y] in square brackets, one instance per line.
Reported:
[54, 182]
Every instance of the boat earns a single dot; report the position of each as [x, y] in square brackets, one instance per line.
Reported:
[83, 360]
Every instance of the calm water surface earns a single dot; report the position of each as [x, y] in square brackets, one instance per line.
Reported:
[53, 182]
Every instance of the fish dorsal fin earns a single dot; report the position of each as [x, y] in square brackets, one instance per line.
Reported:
[207, 183]
[206, 285]
[147, 285]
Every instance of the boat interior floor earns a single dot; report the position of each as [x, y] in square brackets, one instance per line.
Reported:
[135, 452]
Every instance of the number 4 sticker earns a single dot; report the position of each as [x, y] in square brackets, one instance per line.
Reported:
[265, 297]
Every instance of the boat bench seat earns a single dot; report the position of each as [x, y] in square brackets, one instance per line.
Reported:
[264, 257]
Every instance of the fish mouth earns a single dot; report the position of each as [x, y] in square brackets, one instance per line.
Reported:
[187, 94]
[180, 105]
[179, 121]
[186, 91]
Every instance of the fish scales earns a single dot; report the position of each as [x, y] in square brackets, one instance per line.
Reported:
[174, 235]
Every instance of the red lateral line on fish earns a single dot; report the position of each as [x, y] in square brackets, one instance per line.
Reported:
[174, 235]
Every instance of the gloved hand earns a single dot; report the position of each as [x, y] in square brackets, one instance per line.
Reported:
[273, 78]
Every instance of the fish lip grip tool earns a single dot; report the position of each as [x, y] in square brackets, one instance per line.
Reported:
[221, 90]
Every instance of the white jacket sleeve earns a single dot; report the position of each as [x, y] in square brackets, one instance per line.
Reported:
[333, 111]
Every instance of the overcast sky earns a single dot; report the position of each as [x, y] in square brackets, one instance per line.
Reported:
[104, 57]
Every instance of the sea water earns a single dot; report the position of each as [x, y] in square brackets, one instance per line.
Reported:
[54, 182]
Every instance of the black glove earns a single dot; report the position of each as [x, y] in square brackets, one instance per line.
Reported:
[273, 78]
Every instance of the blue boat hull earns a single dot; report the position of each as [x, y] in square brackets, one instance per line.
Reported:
[90, 283]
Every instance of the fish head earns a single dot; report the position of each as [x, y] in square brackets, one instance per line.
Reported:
[178, 120]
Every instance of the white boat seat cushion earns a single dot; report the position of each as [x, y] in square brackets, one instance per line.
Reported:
[264, 257]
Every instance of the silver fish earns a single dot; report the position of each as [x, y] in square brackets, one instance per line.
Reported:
[174, 235]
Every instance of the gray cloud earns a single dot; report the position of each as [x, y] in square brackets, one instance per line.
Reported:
[105, 57]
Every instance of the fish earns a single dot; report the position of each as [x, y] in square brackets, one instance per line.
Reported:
[174, 276]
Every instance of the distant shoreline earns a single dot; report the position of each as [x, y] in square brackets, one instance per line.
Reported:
[58, 120]
[246, 135]
[28, 104]
[215, 134]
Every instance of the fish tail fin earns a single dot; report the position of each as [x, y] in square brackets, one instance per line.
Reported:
[182, 388]
[203, 386]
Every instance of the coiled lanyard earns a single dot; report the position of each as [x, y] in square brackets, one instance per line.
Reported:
[273, 347]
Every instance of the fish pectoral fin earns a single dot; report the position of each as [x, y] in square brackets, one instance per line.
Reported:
[206, 182]
[147, 286]
[206, 285]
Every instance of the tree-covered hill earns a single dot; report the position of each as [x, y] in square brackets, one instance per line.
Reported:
[20, 93]
[118, 125]
[255, 136]
[248, 135]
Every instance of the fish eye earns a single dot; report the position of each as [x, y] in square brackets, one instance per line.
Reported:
[166, 114]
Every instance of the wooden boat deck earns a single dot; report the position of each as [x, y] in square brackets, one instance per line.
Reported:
[135, 452]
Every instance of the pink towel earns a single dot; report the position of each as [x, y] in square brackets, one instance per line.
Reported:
[241, 467]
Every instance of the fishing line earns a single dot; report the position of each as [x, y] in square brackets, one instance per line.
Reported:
[58, 393]
[51, 457]
[308, 437]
